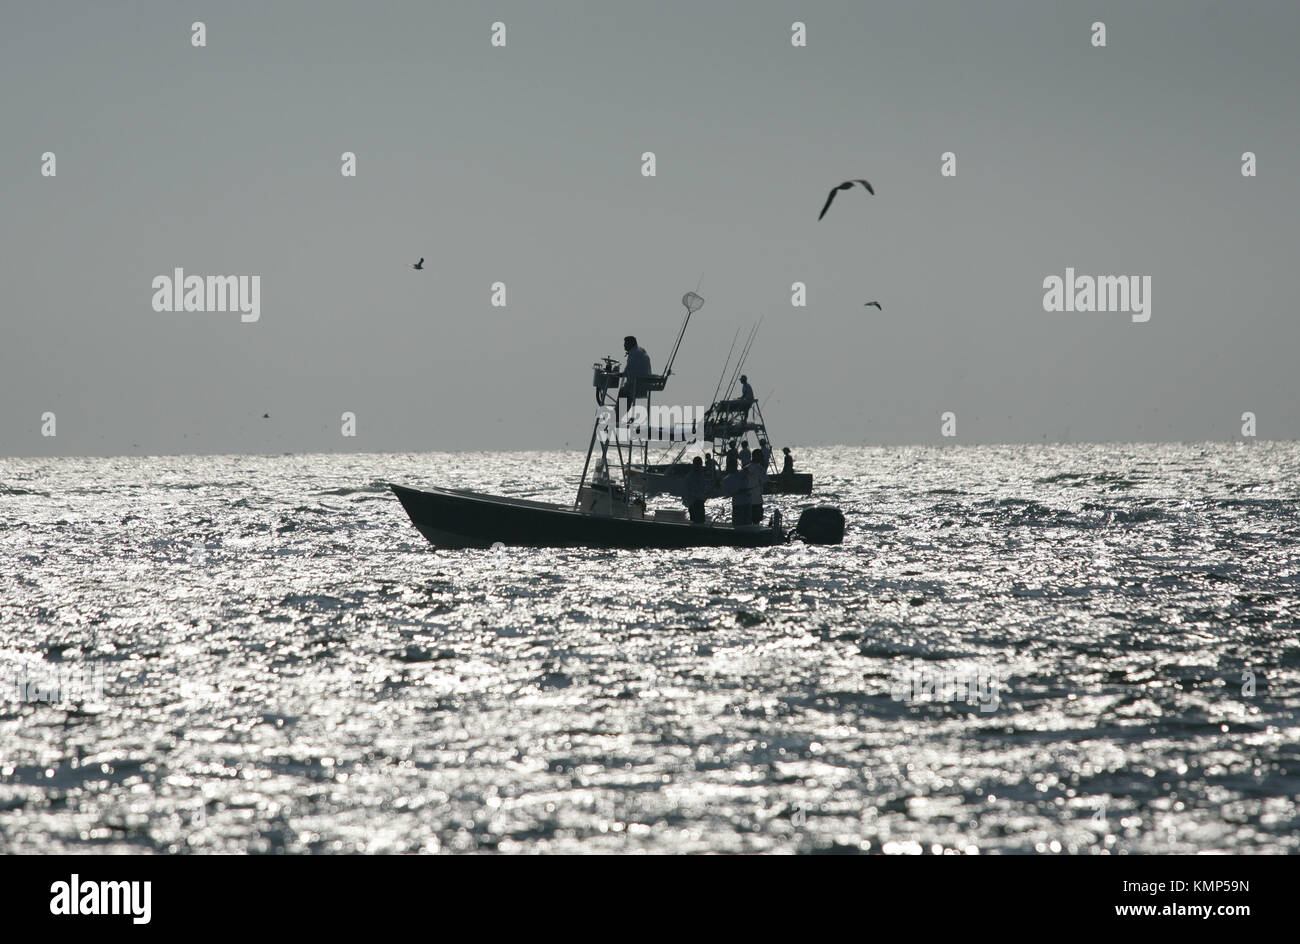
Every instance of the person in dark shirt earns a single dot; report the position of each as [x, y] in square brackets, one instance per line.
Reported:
[743, 403]
[732, 457]
[697, 489]
[737, 486]
[756, 473]
[746, 394]
[638, 367]
[787, 467]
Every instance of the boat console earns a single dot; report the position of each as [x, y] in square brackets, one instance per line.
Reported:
[604, 500]
[605, 374]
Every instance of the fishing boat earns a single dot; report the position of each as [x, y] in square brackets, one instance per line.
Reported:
[452, 518]
[726, 422]
[606, 513]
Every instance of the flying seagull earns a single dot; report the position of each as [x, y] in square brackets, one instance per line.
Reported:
[844, 186]
[877, 304]
[419, 265]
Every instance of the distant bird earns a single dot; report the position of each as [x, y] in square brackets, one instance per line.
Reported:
[419, 265]
[844, 186]
[266, 416]
[877, 304]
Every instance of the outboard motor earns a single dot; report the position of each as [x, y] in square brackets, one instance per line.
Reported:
[823, 524]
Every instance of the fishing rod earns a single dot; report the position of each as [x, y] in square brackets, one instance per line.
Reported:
[723, 372]
[744, 355]
[731, 383]
[758, 408]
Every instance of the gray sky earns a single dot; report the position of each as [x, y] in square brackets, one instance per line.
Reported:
[522, 165]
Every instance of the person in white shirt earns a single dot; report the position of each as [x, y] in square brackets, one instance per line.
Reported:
[737, 486]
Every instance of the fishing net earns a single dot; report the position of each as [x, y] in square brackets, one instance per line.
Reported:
[692, 302]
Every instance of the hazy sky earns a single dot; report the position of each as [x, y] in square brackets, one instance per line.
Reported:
[523, 165]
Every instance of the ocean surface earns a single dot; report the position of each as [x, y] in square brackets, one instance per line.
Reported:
[1088, 649]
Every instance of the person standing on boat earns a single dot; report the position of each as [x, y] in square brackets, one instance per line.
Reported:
[696, 490]
[737, 486]
[744, 453]
[731, 457]
[756, 478]
[638, 366]
[787, 467]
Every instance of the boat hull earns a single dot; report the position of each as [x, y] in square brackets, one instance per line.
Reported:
[452, 518]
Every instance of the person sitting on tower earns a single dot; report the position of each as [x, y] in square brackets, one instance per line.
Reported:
[742, 403]
[746, 394]
[638, 367]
